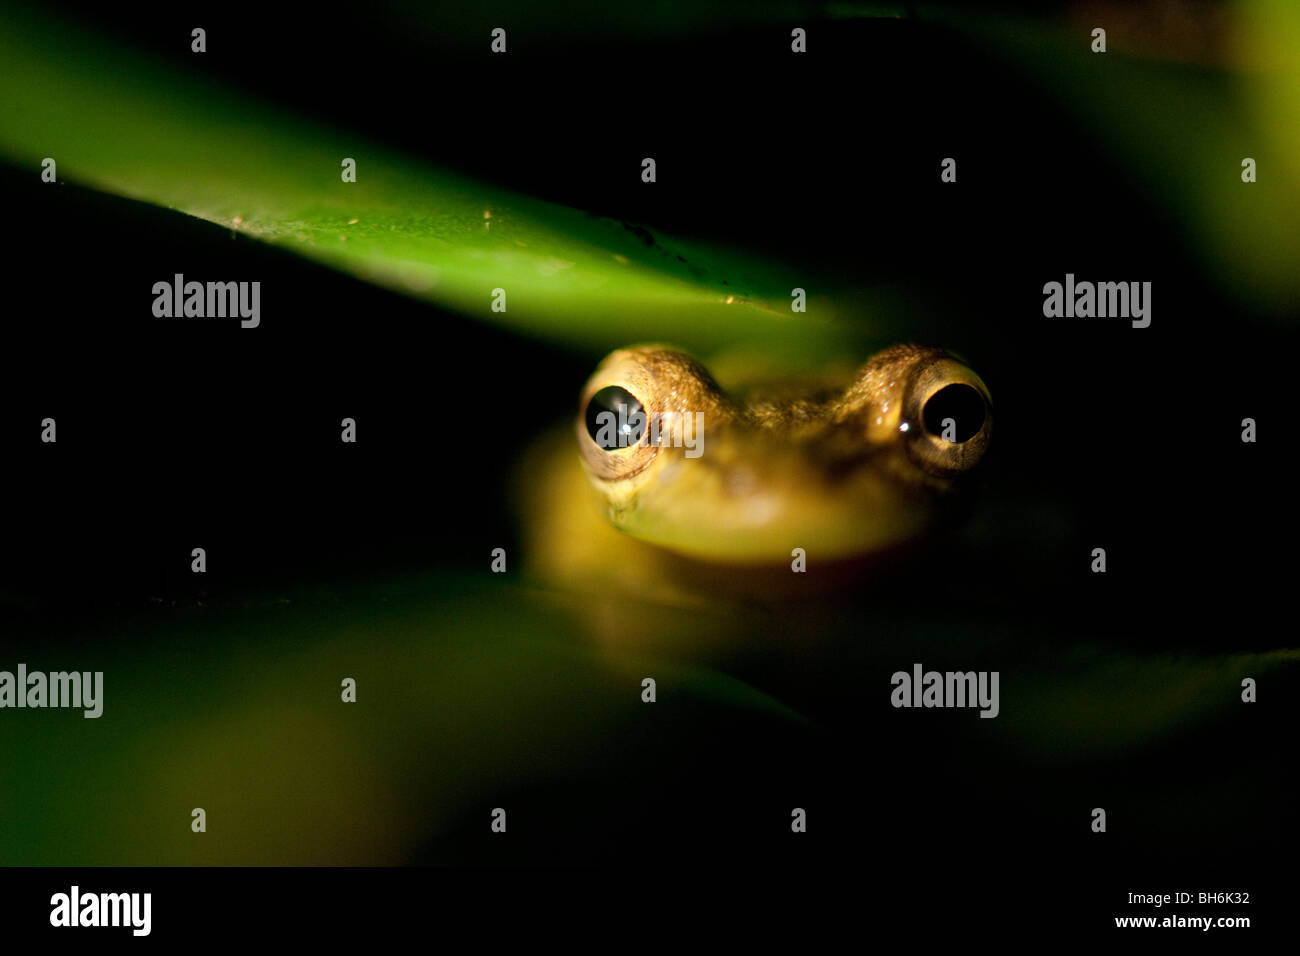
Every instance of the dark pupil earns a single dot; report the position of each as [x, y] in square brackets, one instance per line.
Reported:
[962, 404]
[615, 419]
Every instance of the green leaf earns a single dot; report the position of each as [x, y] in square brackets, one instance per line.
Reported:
[117, 122]
[464, 687]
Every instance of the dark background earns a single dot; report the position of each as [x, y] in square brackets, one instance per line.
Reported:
[174, 435]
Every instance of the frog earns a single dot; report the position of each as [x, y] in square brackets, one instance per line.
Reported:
[755, 471]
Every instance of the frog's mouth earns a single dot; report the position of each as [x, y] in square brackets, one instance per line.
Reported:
[848, 475]
[753, 500]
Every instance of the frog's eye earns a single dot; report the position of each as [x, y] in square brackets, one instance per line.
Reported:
[632, 397]
[955, 413]
[615, 418]
[948, 417]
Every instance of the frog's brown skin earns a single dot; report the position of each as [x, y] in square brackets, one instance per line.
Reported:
[843, 467]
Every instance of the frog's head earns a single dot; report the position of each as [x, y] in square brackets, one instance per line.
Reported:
[746, 477]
